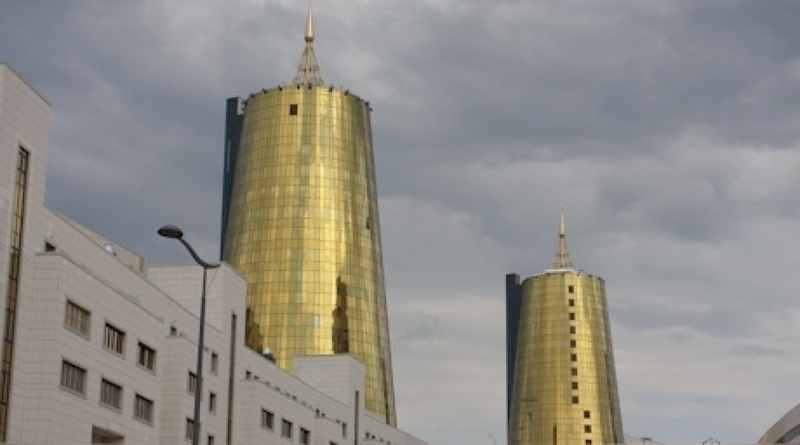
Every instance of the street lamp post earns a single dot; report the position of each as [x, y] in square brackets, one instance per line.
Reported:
[171, 231]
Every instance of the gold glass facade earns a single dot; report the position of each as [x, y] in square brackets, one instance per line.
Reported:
[564, 387]
[303, 229]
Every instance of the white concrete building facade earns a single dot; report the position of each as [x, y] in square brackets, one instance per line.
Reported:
[97, 349]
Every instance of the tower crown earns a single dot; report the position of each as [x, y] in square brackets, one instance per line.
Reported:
[562, 260]
[308, 73]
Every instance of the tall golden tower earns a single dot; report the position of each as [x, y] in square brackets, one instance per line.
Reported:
[562, 384]
[300, 223]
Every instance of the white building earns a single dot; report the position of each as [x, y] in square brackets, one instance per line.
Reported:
[96, 349]
[786, 430]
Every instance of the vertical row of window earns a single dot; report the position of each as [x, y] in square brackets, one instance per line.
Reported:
[12, 288]
[573, 344]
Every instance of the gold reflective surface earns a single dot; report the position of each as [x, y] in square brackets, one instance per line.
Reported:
[565, 386]
[304, 232]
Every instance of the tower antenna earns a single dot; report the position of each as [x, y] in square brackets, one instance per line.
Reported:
[308, 73]
[562, 260]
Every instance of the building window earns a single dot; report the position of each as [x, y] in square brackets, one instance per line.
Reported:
[574, 385]
[191, 383]
[573, 357]
[573, 344]
[286, 428]
[77, 318]
[147, 357]
[211, 440]
[143, 409]
[114, 339]
[73, 377]
[189, 429]
[588, 441]
[587, 428]
[574, 371]
[267, 419]
[571, 289]
[572, 315]
[575, 399]
[214, 362]
[344, 430]
[305, 436]
[572, 329]
[572, 302]
[212, 402]
[293, 109]
[16, 218]
[110, 394]
[587, 414]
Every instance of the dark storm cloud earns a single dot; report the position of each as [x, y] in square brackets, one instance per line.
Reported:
[666, 131]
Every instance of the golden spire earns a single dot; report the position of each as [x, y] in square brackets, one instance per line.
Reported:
[308, 73]
[562, 260]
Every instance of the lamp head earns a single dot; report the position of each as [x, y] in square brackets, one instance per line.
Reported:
[171, 231]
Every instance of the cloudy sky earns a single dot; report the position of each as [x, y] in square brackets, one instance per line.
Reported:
[668, 132]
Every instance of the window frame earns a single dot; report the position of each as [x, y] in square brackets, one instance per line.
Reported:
[191, 383]
[77, 318]
[212, 402]
[267, 419]
[147, 357]
[143, 409]
[189, 433]
[214, 365]
[111, 394]
[114, 339]
[287, 428]
[73, 378]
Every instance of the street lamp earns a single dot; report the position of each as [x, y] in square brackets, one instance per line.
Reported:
[171, 231]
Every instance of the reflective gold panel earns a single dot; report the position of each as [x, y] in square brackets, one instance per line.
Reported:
[563, 384]
[303, 229]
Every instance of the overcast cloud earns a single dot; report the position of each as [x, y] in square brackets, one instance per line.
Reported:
[668, 132]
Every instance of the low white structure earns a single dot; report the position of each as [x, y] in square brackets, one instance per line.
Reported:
[786, 430]
[98, 350]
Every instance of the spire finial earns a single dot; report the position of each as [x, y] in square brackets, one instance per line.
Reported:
[308, 73]
[562, 260]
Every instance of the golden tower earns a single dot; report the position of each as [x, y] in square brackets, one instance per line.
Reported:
[300, 223]
[563, 385]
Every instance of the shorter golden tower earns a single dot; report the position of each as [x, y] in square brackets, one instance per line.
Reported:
[562, 385]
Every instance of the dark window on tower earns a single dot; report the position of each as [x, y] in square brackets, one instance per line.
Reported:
[572, 329]
[574, 399]
[571, 289]
[574, 385]
[573, 344]
[293, 109]
[573, 357]
[587, 414]
[574, 371]
[587, 428]
[572, 315]
[572, 302]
